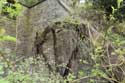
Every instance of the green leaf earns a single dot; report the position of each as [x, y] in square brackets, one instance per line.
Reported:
[7, 38]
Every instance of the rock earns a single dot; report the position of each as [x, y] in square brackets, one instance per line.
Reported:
[61, 48]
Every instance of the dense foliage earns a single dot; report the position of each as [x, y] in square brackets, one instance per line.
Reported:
[11, 10]
[108, 42]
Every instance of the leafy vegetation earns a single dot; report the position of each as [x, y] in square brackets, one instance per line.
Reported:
[107, 46]
[10, 10]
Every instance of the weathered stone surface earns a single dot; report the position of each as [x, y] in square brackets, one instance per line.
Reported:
[35, 20]
[24, 34]
[60, 45]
